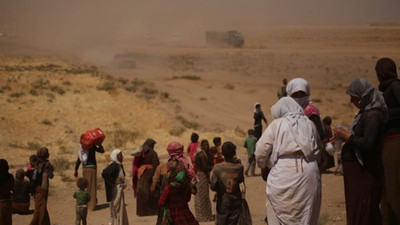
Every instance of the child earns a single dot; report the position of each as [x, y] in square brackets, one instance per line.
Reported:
[216, 151]
[6, 187]
[250, 144]
[225, 180]
[30, 169]
[82, 198]
[21, 200]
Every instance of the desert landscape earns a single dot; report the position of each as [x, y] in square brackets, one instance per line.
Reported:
[51, 94]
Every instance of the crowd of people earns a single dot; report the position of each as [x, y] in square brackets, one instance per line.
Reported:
[292, 152]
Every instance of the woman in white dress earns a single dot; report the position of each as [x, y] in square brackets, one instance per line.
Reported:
[290, 149]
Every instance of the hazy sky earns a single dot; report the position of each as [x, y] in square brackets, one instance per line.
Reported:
[59, 21]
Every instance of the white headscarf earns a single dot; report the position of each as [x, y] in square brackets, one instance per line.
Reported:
[114, 156]
[299, 84]
[370, 98]
[299, 124]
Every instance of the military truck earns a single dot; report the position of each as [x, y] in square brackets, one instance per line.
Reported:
[230, 38]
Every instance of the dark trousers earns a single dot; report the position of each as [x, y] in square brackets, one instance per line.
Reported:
[229, 208]
[251, 164]
[81, 214]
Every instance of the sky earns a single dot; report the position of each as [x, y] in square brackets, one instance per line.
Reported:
[80, 22]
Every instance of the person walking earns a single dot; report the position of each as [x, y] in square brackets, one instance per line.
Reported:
[258, 118]
[290, 149]
[43, 172]
[89, 171]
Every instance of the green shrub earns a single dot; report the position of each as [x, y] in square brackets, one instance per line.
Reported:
[46, 122]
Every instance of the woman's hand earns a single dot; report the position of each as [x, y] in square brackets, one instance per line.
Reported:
[342, 133]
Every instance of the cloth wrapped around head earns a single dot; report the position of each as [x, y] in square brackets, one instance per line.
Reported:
[299, 124]
[370, 98]
[175, 151]
[299, 84]
[114, 156]
[386, 72]
[43, 153]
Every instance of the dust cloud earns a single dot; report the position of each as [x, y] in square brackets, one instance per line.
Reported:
[84, 27]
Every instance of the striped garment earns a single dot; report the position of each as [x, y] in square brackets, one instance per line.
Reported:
[202, 203]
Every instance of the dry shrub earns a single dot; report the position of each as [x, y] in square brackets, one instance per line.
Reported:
[229, 86]
[187, 77]
[61, 163]
[240, 132]
[119, 138]
[16, 94]
[57, 89]
[187, 123]
[4, 88]
[177, 131]
[108, 86]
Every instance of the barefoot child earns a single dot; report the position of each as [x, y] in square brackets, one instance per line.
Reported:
[82, 198]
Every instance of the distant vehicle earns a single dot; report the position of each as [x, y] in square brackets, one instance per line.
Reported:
[225, 39]
[125, 60]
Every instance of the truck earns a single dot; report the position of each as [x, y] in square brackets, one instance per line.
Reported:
[230, 38]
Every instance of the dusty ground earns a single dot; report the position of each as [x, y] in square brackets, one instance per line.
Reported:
[50, 98]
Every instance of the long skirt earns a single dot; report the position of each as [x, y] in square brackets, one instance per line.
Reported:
[363, 188]
[390, 204]
[5, 212]
[294, 190]
[41, 215]
[90, 173]
[119, 216]
[146, 204]
[202, 203]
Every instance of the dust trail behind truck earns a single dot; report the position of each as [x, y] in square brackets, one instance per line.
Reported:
[224, 39]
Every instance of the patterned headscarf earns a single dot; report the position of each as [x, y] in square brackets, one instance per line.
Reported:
[175, 151]
[386, 72]
[370, 98]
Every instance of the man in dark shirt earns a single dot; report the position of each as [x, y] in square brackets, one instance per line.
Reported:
[89, 171]
[258, 118]
[225, 180]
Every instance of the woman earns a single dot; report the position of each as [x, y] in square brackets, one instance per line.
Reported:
[114, 177]
[6, 187]
[89, 171]
[361, 154]
[258, 118]
[177, 192]
[299, 90]
[143, 168]
[202, 203]
[41, 187]
[290, 148]
[389, 84]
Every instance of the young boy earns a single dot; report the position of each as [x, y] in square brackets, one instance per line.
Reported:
[82, 198]
[21, 198]
[225, 180]
[250, 145]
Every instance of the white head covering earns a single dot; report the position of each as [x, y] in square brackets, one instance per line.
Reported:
[299, 124]
[370, 98]
[299, 84]
[114, 156]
